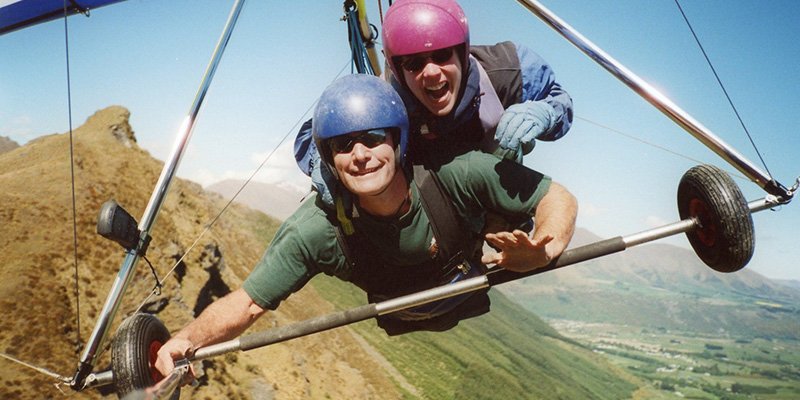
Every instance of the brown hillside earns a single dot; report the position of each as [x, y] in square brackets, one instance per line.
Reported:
[7, 144]
[37, 291]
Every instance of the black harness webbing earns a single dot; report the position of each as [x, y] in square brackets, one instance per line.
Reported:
[451, 235]
[454, 258]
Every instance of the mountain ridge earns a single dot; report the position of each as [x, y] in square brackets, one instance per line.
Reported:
[6, 144]
[662, 286]
[38, 295]
[271, 199]
[37, 290]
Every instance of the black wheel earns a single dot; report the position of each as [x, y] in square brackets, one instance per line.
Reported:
[724, 237]
[134, 352]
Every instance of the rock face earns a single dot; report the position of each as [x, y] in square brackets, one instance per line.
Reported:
[46, 320]
[7, 144]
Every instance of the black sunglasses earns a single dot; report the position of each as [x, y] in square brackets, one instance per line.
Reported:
[416, 63]
[370, 139]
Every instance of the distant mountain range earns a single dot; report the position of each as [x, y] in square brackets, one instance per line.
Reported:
[662, 286]
[789, 282]
[274, 200]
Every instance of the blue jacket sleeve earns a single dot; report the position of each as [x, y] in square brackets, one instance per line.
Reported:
[539, 83]
[304, 148]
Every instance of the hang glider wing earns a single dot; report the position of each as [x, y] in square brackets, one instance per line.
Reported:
[19, 14]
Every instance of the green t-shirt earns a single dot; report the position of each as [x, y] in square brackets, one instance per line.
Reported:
[306, 244]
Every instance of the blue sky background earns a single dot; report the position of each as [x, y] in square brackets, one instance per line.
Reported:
[150, 55]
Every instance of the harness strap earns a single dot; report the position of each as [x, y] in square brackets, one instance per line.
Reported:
[450, 235]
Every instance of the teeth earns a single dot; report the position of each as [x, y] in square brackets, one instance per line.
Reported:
[365, 172]
[437, 87]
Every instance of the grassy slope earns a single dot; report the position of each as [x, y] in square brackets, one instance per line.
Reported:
[506, 354]
[37, 294]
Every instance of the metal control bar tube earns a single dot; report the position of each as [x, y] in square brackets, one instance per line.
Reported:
[660, 101]
[164, 389]
[128, 266]
[494, 277]
[617, 244]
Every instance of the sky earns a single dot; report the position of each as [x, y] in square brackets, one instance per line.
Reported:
[622, 159]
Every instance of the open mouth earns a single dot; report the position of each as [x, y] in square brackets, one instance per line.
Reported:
[436, 92]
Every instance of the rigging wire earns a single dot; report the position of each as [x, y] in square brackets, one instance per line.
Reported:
[72, 178]
[35, 368]
[359, 59]
[213, 221]
[651, 144]
[730, 101]
[62, 379]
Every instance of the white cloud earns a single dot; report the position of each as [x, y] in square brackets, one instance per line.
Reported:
[19, 128]
[653, 221]
[280, 168]
[589, 210]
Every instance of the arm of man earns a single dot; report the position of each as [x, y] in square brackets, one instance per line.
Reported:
[304, 241]
[543, 110]
[555, 224]
[539, 83]
[223, 320]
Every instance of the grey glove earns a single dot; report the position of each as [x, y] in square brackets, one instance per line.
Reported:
[521, 123]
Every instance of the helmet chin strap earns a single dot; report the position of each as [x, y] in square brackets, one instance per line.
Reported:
[341, 215]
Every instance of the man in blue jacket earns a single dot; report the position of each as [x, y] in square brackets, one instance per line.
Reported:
[499, 98]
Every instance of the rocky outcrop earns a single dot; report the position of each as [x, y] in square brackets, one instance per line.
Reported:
[7, 144]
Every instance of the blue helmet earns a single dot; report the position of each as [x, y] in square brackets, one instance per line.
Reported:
[355, 103]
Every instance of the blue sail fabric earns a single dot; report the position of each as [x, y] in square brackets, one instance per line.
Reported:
[19, 14]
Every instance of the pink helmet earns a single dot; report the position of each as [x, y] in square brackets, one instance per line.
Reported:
[417, 26]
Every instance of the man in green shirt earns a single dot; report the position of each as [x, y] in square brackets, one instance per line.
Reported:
[361, 129]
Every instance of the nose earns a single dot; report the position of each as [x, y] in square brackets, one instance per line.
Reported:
[431, 68]
[361, 152]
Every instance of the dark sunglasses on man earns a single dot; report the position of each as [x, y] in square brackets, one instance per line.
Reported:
[369, 138]
[415, 63]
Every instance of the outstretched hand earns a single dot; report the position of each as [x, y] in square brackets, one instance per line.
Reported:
[518, 251]
[175, 348]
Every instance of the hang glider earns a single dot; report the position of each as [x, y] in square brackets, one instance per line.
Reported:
[712, 211]
[19, 14]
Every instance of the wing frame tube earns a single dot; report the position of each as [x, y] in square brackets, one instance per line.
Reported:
[114, 299]
[659, 100]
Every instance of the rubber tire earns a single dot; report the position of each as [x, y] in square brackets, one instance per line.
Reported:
[133, 353]
[724, 238]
